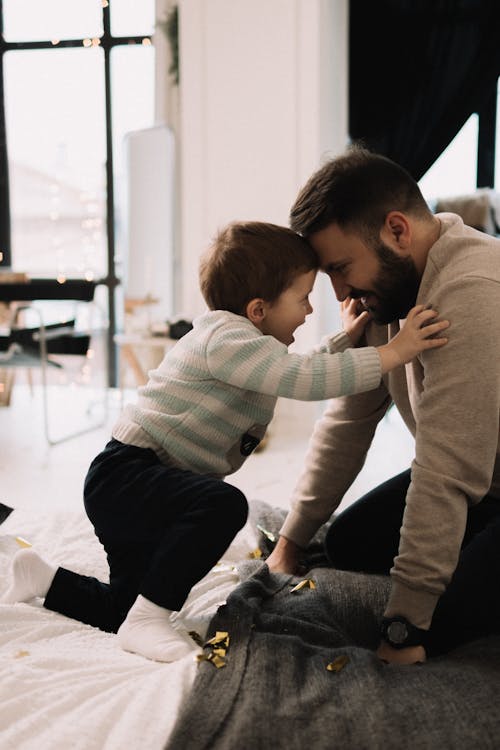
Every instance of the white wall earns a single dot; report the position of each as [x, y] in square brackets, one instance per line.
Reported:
[263, 98]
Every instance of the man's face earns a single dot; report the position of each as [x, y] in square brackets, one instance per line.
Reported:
[384, 281]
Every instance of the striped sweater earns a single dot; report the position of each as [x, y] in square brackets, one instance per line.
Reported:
[209, 402]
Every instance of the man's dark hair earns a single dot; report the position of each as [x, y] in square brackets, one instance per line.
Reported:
[356, 191]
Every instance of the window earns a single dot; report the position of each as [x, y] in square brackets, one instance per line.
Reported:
[77, 77]
[454, 173]
[470, 161]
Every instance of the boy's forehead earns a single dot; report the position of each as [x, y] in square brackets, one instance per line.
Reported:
[305, 279]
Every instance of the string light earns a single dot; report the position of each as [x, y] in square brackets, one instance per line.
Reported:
[87, 42]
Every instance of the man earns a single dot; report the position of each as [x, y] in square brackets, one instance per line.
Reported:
[436, 529]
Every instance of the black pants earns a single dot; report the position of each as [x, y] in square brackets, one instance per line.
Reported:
[162, 528]
[365, 537]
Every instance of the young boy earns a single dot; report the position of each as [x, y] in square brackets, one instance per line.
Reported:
[156, 495]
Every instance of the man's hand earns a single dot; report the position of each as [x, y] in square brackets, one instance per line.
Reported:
[410, 655]
[285, 557]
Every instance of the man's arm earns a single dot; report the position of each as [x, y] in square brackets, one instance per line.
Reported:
[410, 655]
[456, 402]
[285, 557]
[336, 454]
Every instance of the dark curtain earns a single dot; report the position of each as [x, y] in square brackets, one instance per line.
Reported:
[418, 70]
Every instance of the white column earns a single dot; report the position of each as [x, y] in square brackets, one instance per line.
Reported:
[262, 101]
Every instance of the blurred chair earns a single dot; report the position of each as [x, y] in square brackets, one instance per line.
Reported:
[29, 347]
[480, 209]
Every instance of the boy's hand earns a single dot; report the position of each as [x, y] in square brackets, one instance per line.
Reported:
[417, 334]
[353, 320]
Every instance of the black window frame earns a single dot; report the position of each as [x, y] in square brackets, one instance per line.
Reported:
[486, 141]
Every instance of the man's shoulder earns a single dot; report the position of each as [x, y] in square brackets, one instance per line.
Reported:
[460, 252]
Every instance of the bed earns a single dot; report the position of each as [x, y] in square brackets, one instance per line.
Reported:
[68, 685]
[280, 667]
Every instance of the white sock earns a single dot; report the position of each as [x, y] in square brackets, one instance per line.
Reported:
[31, 576]
[147, 631]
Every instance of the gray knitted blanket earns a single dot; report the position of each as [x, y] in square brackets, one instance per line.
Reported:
[301, 673]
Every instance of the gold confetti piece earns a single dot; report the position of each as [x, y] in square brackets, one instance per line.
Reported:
[218, 646]
[196, 637]
[306, 583]
[256, 554]
[215, 659]
[22, 542]
[337, 664]
[266, 533]
[21, 654]
[221, 638]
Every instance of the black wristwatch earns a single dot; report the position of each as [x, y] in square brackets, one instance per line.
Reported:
[399, 633]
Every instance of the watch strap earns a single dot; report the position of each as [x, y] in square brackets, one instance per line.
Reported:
[398, 632]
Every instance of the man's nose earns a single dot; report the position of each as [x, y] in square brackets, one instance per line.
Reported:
[309, 308]
[341, 289]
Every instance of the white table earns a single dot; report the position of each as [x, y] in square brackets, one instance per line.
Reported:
[130, 342]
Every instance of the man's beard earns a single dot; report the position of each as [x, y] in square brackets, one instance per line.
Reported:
[396, 286]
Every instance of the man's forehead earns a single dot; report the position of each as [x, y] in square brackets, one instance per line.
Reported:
[334, 245]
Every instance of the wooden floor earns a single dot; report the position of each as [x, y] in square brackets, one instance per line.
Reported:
[36, 474]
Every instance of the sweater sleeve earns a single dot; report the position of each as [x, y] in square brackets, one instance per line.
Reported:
[457, 415]
[243, 357]
[336, 454]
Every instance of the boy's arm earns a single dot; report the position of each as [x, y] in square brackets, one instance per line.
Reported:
[242, 357]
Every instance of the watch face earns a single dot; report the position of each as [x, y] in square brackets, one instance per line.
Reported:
[397, 632]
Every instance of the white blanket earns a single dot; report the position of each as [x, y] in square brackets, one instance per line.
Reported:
[67, 685]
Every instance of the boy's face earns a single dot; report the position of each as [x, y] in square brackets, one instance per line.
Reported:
[289, 311]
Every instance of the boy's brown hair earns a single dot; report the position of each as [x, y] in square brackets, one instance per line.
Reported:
[249, 260]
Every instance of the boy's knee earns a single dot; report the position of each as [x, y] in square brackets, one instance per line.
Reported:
[235, 506]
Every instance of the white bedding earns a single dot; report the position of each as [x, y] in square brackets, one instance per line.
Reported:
[67, 685]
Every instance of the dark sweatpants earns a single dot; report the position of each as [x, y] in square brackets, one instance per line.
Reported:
[365, 537]
[162, 528]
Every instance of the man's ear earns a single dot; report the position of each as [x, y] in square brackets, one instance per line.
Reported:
[396, 231]
[256, 311]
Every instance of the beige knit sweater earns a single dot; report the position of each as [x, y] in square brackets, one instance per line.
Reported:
[450, 401]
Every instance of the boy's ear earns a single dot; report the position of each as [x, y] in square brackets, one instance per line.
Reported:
[256, 310]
